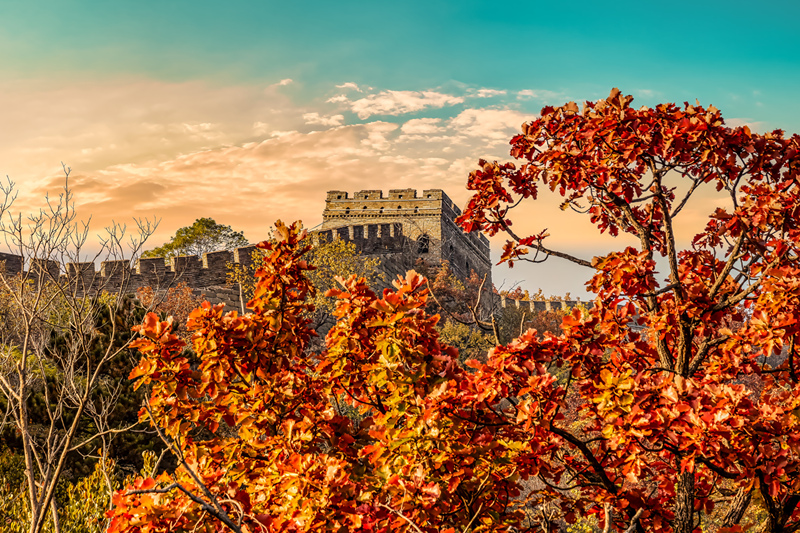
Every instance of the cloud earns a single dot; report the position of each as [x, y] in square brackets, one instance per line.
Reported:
[486, 93]
[492, 124]
[422, 126]
[350, 85]
[260, 128]
[399, 102]
[550, 96]
[754, 125]
[338, 99]
[316, 118]
[286, 81]
[239, 154]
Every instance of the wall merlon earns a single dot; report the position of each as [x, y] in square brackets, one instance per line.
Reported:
[435, 194]
[540, 305]
[373, 194]
[12, 263]
[217, 260]
[80, 269]
[402, 194]
[337, 195]
[184, 263]
[244, 255]
[53, 268]
[151, 266]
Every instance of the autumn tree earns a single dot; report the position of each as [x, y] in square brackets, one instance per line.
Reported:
[455, 301]
[205, 235]
[417, 461]
[338, 258]
[666, 405]
[688, 422]
[177, 301]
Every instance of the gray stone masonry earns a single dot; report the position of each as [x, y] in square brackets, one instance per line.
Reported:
[398, 228]
[404, 225]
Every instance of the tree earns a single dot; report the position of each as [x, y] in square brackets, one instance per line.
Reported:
[178, 302]
[205, 235]
[668, 405]
[338, 258]
[59, 338]
[416, 461]
[691, 421]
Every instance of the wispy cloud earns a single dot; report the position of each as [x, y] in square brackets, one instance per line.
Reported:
[540, 94]
[486, 93]
[180, 151]
[492, 124]
[394, 103]
[316, 118]
[422, 126]
[350, 85]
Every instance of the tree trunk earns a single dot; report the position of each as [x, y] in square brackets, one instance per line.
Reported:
[684, 503]
[738, 506]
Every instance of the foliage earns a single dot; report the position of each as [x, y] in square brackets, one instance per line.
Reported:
[471, 342]
[82, 504]
[205, 235]
[338, 258]
[512, 321]
[691, 419]
[649, 411]
[417, 462]
[178, 302]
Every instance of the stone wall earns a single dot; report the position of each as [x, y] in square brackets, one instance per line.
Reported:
[205, 275]
[421, 225]
[397, 228]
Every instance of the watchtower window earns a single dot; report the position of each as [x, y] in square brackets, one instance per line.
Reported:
[429, 196]
[416, 209]
[400, 196]
[399, 207]
[381, 210]
[339, 197]
[364, 207]
[423, 244]
[347, 211]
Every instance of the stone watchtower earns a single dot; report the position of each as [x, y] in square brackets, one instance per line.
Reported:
[402, 226]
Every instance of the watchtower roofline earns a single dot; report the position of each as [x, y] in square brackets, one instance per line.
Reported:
[343, 208]
[374, 195]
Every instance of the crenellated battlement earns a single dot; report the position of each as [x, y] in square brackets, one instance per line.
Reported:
[399, 227]
[199, 273]
[541, 305]
[368, 238]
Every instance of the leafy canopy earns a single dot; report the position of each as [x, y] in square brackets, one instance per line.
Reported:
[682, 398]
[205, 235]
[257, 424]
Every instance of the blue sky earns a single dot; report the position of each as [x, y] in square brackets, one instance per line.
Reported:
[156, 98]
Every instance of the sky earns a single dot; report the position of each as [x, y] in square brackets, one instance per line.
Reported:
[248, 111]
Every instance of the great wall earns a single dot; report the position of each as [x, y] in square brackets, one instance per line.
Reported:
[398, 228]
